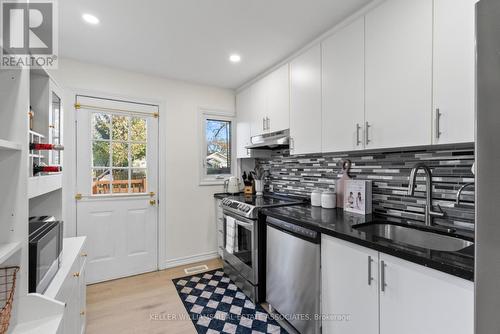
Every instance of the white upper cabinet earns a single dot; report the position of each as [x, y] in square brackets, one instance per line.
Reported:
[399, 74]
[419, 300]
[259, 107]
[454, 71]
[243, 119]
[305, 102]
[278, 101]
[343, 81]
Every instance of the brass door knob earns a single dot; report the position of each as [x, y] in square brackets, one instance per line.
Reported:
[152, 202]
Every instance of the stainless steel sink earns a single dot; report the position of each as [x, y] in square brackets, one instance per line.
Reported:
[415, 237]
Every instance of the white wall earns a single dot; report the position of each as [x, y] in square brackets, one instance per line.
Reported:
[190, 230]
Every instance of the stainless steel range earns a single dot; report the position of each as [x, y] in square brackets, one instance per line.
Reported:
[244, 241]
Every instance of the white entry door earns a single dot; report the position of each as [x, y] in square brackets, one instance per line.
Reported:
[117, 177]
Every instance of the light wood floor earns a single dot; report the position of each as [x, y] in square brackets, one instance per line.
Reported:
[126, 306]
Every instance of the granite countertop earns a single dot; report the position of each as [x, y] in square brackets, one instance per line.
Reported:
[222, 195]
[335, 223]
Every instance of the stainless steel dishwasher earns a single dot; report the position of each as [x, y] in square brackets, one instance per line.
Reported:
[293, 274]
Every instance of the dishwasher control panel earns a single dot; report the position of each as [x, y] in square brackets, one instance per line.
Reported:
[292, 228]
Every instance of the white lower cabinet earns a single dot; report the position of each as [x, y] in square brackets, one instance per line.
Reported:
[346, 288]
[402, 297]
[219, 223]
[70, 287]
[419, 300]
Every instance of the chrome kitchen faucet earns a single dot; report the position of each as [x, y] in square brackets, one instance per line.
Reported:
[429, 213]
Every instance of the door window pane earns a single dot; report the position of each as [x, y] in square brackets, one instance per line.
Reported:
[138, 155]
[218, 147]
[138, 131]
[120, 127]
[101, 181]
[100, 154]
[100, 126]
[120, 155]
[138, 181]
[120, 180]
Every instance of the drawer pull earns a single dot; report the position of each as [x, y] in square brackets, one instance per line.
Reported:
[77, 274]
[84, 254]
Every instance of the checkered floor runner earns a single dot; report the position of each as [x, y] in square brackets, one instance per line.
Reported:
[216, 305]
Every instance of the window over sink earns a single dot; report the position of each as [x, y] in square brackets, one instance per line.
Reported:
[217, 147]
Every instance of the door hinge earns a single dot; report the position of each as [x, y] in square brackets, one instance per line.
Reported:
[156, 115]
[78, 105]
[78, 197]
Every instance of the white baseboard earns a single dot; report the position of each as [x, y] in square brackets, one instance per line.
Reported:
[190, 259]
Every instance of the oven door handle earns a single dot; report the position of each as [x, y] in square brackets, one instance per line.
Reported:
[238, 219]
[245, 225]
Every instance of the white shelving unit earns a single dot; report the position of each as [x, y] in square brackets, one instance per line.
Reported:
[39, 315]
[41, 185]
[8, 249]
[6, 145]
[23, 195]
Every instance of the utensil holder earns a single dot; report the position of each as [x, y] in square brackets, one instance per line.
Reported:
[259, 187]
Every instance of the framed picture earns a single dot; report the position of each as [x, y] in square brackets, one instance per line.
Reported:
[358, 197]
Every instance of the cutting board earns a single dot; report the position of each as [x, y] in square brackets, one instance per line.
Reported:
[341, 181]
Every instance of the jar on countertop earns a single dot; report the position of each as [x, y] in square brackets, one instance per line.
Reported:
[328, 199]
[316, 197]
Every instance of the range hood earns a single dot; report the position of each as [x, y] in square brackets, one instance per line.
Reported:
[273, 140]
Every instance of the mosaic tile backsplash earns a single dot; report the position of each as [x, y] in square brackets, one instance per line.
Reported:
[389, 171]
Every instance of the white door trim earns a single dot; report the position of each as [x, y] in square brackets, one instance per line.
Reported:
[69, 189]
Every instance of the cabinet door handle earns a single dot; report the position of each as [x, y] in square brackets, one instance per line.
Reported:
[263, 124]
[84, 254]
[358, 140]
[438, 125]
[77, 274]
[268, 120]
[370, 278]
[367, 129]
[382, 276]
[292, 144]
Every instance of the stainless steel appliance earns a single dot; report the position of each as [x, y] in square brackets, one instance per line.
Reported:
[45, 250]
[293, 274]
[273, 140]
[487, 254]
[244, 241]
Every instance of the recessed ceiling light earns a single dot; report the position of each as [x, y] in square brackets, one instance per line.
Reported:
[89, 18]
[235, 58]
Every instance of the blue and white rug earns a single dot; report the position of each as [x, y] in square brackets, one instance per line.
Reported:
[216, 305]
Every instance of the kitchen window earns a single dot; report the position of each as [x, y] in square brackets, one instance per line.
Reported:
[217, 148]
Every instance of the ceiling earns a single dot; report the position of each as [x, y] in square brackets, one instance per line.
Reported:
[191, 40]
